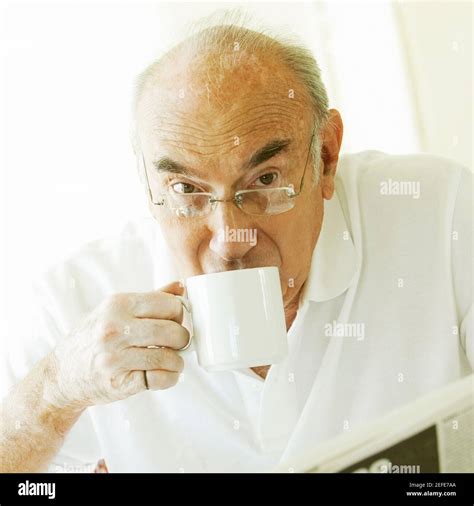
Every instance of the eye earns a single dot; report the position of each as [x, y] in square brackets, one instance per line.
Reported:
[183, 188]
[267, 179]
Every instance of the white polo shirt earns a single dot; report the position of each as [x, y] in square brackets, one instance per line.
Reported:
[385, 316]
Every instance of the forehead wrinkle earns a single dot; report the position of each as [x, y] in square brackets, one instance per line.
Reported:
[251, 126]
[193, 136]
[248, 94]
[273, 107]
[285, 108]
[198, 136]
[260, 109]
[191, 146]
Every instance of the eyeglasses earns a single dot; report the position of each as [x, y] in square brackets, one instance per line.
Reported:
[255, 202]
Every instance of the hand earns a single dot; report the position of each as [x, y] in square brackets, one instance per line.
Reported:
[101, 467]
[104, 358]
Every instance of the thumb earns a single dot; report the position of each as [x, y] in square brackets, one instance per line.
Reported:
[175, 288]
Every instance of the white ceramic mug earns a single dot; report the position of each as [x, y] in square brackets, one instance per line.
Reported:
[238, 318]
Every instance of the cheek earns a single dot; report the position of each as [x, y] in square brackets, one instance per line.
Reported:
[295, 235]
[182, 238]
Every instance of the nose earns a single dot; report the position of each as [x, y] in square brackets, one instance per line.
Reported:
[233, 235]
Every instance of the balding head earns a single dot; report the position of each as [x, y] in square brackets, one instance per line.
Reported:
[215, 68]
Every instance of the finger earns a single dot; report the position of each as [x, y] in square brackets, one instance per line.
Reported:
[144, 359]
[159, 380]
[162, 305]
[154, 332]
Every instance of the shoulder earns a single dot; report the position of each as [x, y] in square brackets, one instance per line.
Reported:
[401, 209]
[368, 167]
[400, 184]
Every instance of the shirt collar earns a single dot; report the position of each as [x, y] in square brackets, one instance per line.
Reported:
[334, 260]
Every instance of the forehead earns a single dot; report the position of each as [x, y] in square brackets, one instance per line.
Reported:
[216, 104]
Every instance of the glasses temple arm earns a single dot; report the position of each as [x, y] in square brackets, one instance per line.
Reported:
[306, 164]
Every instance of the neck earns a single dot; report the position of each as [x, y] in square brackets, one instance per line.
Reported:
[290, 315]
[291, 308]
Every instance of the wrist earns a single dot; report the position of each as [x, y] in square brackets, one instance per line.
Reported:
[55, 392]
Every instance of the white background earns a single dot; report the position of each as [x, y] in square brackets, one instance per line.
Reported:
[399, 72]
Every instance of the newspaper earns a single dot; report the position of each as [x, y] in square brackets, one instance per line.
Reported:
[433, 434]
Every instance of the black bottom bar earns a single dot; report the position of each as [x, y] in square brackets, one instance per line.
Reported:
[218, 489]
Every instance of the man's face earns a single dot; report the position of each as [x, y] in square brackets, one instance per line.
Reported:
[213, 127]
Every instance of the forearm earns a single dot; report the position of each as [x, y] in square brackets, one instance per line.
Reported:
[32, 426]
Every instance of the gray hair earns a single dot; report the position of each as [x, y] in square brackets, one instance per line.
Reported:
[222, 31]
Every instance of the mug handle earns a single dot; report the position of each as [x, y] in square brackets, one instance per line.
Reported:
[187, 305]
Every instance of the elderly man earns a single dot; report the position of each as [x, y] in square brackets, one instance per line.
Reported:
[374, 266]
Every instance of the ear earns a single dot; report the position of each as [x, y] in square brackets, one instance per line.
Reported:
[332, 140]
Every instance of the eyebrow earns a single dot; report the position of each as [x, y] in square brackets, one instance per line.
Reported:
[264, 154]
[268, 151]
